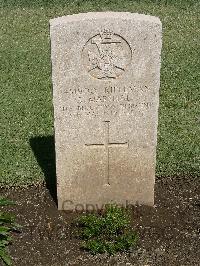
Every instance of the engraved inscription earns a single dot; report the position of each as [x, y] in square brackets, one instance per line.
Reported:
[106, 55]
[110, 101]
[107, 145]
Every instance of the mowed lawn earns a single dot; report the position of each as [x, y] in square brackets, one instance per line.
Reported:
[26, 93]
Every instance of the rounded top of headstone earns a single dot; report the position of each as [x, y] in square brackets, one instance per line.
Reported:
[104, 15]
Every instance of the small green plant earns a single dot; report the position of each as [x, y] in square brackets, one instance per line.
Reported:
[7, 225]
[109, 232]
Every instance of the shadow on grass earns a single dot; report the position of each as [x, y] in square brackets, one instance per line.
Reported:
[44, 151]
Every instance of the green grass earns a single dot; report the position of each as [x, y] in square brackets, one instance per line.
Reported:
[109, 232]
[26, 93]
[7, 225]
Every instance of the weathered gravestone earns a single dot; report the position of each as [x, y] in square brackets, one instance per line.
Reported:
[106, 75]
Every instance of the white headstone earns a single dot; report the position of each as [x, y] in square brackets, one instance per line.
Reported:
[106, 78]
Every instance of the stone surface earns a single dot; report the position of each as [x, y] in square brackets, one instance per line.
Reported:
[106, 78]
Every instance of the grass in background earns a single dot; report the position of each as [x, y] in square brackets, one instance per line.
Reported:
[25, 80]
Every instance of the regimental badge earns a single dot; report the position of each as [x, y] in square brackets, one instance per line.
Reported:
[106, 55]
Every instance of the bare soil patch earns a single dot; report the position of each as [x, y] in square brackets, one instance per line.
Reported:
[169, 232]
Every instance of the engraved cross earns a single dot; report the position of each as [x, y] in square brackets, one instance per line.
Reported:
[107, 145]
